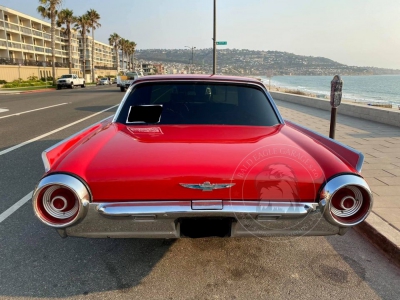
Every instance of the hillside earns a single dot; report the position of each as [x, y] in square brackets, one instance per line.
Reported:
[243, 61]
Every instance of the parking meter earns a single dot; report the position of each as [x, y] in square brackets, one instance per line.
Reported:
[336, 91]
[335, 99]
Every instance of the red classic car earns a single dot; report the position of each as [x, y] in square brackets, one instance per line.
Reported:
[198, 156]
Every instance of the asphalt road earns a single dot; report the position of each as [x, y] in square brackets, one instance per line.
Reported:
[36, 263]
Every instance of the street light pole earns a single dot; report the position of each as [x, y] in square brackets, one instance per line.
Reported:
[192, 48]
[215, 39]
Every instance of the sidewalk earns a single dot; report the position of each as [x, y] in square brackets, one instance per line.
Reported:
[380, 145]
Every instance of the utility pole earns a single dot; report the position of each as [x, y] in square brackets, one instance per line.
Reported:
[192, 61]
[215, 39]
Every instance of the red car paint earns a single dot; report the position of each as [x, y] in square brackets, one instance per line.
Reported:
[121, 165]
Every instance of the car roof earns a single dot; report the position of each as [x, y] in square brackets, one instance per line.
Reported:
[198, 77]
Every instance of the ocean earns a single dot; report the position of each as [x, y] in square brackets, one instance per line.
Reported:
[374, 88]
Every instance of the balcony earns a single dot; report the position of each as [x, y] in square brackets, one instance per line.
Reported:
[39, 49]
[11, 26]
[14, 45]
[26, 30]
[37, 33]
[26, 62]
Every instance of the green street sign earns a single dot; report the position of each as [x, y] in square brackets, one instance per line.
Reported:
[221, 43]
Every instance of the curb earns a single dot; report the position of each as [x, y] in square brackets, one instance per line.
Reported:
[382, 235]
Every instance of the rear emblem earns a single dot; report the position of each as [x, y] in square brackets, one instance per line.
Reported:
[207, 186]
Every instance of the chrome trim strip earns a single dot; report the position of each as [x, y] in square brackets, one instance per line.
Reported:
[158, 219]
[45, 161]
[361, 156]
[207, 204]
[272, 101]
[360, 162]
[259, 85]
[184, 208]
[128, 91]
[70, 182]
[335, 184]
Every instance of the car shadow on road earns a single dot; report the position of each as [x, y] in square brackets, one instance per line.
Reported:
[39, 263]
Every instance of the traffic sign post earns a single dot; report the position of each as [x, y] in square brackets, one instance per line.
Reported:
[221, 43]
[336, 98]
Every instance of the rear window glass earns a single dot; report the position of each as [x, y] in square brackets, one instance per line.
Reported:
[201, 103]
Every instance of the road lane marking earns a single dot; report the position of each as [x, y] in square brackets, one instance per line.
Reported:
[15, 207]
[3, 110]
[28, 111]
[54, 131]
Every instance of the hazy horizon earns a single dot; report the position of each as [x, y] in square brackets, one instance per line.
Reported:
[356, 33]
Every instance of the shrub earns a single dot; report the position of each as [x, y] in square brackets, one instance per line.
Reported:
[3, 81]
[33, 78]
[8, 85]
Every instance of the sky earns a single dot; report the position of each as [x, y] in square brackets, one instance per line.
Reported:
[352, 32]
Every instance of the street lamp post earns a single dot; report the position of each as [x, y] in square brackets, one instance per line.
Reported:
[192, 62]
[215, 39]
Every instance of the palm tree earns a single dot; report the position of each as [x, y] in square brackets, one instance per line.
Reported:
[113, 40]
[123, 43]
[82, 24]
[66, 17]
[128, 53]
[94, 18]
[133, 49]
[48, 10]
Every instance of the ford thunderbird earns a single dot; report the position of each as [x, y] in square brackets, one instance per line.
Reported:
[200, 156]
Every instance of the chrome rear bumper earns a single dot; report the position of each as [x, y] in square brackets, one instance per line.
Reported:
[160, 219]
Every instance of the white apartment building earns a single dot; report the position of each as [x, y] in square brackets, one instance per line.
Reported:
[25, 49]
[104, 57]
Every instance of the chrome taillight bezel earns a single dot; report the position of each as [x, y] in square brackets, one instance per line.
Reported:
[336, 184]
[73, 184]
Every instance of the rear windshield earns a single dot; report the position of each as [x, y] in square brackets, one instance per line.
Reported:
[197, 103]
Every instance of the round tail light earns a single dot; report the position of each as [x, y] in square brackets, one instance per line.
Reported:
[60, 200]
[58, 204]
[350, 204]
[347, 200]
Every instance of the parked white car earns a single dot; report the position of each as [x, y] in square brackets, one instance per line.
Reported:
[104, 81]
[70, 81]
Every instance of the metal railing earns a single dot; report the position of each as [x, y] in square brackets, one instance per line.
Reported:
[14, 45]
[105, 67]
[27, 47]
[11, 26]
[26, 30]
[27, 62]
[37, 33]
